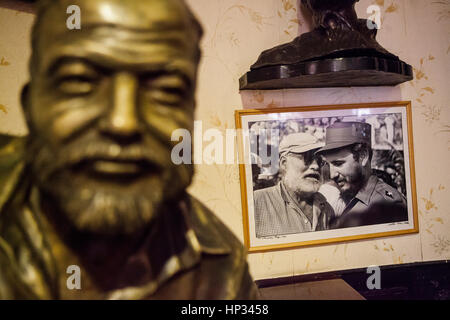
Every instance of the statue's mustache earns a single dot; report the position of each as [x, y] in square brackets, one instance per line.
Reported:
[48, 161]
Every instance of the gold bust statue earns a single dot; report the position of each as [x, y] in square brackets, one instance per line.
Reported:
[93, 184]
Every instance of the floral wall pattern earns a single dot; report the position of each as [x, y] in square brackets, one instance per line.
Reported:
[417, 31]
[14, 52]
[236, 31]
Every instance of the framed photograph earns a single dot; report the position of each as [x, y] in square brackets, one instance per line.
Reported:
[324, 174]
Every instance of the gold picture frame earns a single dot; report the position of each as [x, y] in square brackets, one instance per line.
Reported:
[393, 138]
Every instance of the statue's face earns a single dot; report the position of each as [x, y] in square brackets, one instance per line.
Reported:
[102, 105]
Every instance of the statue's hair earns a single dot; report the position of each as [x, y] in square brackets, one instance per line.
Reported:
[42, 5]
[310, 3]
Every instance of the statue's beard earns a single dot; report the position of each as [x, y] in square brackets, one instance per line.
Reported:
[103, 210]
[100, 206]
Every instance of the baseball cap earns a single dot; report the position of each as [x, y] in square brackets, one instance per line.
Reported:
[299, 143]
[342, 134]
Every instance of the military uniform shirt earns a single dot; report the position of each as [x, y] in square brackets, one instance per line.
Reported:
[376, 203]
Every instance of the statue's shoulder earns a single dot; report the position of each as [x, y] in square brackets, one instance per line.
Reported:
[11, 148]
[18, 228]
[214, 236]
[12, 164]
[224, 272]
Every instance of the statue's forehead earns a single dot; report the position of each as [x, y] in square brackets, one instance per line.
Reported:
[124, 30]
[133, 14]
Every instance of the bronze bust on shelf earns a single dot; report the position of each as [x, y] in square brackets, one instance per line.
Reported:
[340, 51]
[93, 184]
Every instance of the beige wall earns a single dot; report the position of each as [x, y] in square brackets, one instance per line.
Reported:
[14, 52]
[236, 31]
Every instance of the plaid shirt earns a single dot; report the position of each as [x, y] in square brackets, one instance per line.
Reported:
[277, 214]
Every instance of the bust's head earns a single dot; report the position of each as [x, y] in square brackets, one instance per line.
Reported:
[331, 14]
[101, 107]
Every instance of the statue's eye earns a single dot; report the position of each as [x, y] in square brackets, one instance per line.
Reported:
[168, 95]
[167, 89]
[74, 77]
[76, 85]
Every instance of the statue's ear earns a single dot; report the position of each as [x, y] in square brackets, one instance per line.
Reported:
[24, 96]
[25, 102]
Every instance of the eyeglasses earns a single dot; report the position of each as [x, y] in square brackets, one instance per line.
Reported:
[308, 157]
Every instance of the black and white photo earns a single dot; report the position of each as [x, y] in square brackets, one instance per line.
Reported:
[324, 174]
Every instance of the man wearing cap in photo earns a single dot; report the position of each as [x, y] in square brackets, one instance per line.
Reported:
[368, 200]
[293, 205]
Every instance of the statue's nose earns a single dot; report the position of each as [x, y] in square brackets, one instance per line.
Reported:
[122, 117]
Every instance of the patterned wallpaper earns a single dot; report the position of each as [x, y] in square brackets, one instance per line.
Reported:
[417, 31]
[236, 31]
